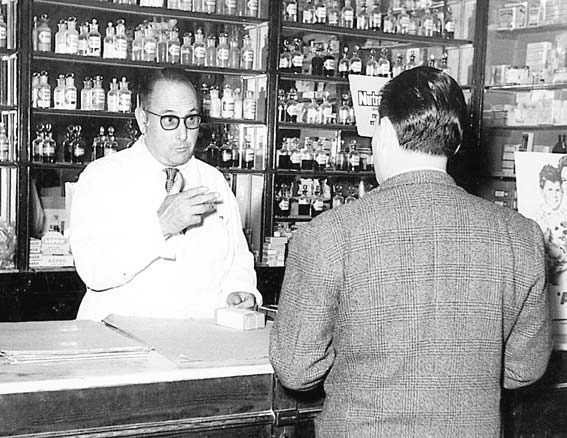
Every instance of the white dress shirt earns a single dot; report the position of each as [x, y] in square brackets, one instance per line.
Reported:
[120, 252]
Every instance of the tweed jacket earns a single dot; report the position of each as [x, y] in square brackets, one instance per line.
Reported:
[415, 305]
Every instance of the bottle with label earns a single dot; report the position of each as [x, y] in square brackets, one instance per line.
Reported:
[37, 144]
[83, 42]
[338, 198]
[282, 201]
[211, 6]
[79, 147]
[318, 202]
[186, 50]
[426, 28]
[215, 107]
[44, 91]
[251, 8]
[561, 145]
[67, 145]
[72, 37]
[320, 11]
[235, 150]
[413, 27]
[362, 18]
[99, 96]
[283, 154]
[353, 157]
[59, 93]
[351, 197]
[4, 144]
[248, 154]
[61, 37]
[320, 157]
[98, 144]
[108, 42]
[233, 54]
[326, 110]
[44, 34]
[213, 151]
[308, 13]
[285, 58]
[49, 146]
[449, 28]
[112, 96]
[307, 155]
[304, 202]
[312, 112]
[341, 159]
[316, 61]
[292, 107]
[70, 92]
[247, 62]
[87, 95]
[398, 66]
[161, 47]
[329, 63]
[290, 10]
[403, 21]
[35, 33]
[411, 62]
[344, 111]
[226, 153]
[124, 97]
[432, 61]
[111, 145]
[355, 63]
[375, 16]
[227, 103]
[211, 51]
[249, 106]
[344, 64]
[384, 64]
[389, 23]
[138, 45]
[372, 65]
[230, 7]
[333, 14]
[223, 51]
[437, 23]
[238, 103]
[444, 63]
[149, 45]
[120, 48]
[347, 15]
[34, 89]
[199, 51]
[295, 155]
[296, 57]
[94, 39]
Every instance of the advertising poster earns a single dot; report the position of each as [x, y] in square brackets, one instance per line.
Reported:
[365, 92]
[541, 181]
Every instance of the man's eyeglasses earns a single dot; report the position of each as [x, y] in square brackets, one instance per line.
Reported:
[171, 122]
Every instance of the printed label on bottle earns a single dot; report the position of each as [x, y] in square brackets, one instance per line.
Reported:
[98, 100]
[222, 54]
[291, 10]
[318, 205]
[199, 53]
[329, 64]
[321, 13]
[384, 69]
[94, 43]
[333, 19]
[355, 160]
[72, 43]
[295, 158]
[388, 26]
[230, 5]
[284, 205]
[377, 20]
[252, 6]
[71, 99]
[44, 37]
[348, 16]
[307, 16]
[113, 103]
[124, 102]
[322, 160]
[248, 56]
[174, 50]
[284, 62]
[297, 61]
[356, 66]
[150, 47]
[120, 49]
[226, 155]
[249, 155]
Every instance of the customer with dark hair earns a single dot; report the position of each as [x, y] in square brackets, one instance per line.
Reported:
[154, 231]
[416, 304]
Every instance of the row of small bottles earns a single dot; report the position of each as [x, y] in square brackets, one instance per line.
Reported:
[225, 151]
[370, 15]
[242, 8]
[152, 42]
[311, 197]
[293, 57]
[316, 154]
[293, 108]
[93, 96]
[73, 149]
[231, 105]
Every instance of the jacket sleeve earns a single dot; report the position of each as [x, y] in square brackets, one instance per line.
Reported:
[527, 322]
[301, 343]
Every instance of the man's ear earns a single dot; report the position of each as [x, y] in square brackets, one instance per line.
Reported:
[389, 136]
[141, 118]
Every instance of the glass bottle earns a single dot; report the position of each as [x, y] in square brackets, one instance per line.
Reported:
[344, 64]
[449, 28]
[206, 99]
[108, 42]
[112, 96]
[72, 36]
[138, 45]
[223, 51]
[317, 203]
[341, 159]
[70, 92]
[347, 15]
[362, 18]
[372, 65]
[326, 110]
[389, 23]
[285, 58]
[248, 154]
[173, 47]
[283, 155]
[320, 157]
[437, 23]
[355, 64]
[290, 10]
[403, 21]
[111, 145]
[34, 89]
[414, 23]
[226, 154]
[351, 197]
[83, 43]
[427, 23]
[3, 33]
[444, 63]
[238, 103]
[215, 103]
[210, 52]
[213, 151]
[86, 95]
[432, 61]
[59, 93]
[295, 155]
[283, 201]
[35, 33]
[67, 144]
[98, 99]
[312, 112]
[4, 143]
[78, 147]
[249, 106]
[235, 154]
[120, 41]
[329, 63]
[291, 107]
[234, 54]
[98, 144]
[94, 39]
[124, 96]
[333, 14]
[561, 145]
[49, 146]
[344, 111]
[186, 49]
[411, 62]
[229, 7]
[296, 57]
[251, 8]
[308, 15]
[247, 62]
[44, 91]
[338, 198]
[384, 64]
[199, 51]
[304, 202]
[227, 103]
[376, 16]
[210, 6]
[353, 158]
[320, 11]
[149, 45]
[44, 34]
[161, 47]
[398, 66]
[37, 144]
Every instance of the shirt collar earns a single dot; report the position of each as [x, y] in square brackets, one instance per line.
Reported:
[150, 162]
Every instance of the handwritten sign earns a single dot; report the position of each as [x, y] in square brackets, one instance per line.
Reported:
[365, 92]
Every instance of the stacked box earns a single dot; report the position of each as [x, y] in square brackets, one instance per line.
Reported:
[51, 251]
[274, 251]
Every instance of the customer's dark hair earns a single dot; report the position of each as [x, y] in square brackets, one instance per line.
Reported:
[427, 109]
[149, 81]
[549, 173]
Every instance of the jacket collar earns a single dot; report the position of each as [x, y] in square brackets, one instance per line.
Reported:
[428, 176]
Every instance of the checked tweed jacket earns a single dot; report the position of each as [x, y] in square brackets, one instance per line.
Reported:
[415, 305]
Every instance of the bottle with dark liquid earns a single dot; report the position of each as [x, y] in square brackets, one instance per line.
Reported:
[561, 145]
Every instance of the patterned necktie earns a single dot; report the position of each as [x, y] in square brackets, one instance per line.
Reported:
[171, 173]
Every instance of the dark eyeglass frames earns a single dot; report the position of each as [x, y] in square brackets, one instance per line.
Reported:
[171, 122]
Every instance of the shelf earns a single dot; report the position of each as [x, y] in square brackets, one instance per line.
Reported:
[329, 127]
[58, 165]
[126, 63]
[371, 34]
[526, 127]
[313, 78]
[318, 173]
[7, 52]
[501, 176]
[215, 120]
[528, 87]
[8, 108]
[535, 29]
[237, 171]
[144, 11]
[292, 218]
[82, 113]
[8, 163]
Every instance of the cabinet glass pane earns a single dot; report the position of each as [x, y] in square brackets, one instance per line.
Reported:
[8, 197]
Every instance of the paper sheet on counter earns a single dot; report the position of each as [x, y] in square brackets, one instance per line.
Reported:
[196, 342]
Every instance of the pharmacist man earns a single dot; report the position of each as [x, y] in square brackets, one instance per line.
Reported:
[155, 242]
[417, 303]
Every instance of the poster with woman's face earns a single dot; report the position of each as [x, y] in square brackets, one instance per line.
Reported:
[541, 182]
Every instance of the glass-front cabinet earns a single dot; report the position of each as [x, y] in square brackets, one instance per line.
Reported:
[525, 98]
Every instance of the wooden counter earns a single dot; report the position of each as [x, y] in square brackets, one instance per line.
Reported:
[143, 396]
